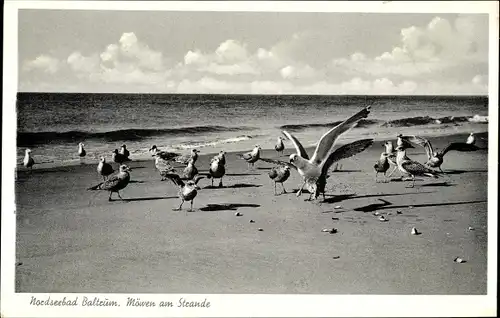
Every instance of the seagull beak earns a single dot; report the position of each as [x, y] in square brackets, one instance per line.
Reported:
[197, 187]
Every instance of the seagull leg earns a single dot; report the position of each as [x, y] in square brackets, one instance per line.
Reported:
[441, 170]
[191, 209]
[300, 190]
[282, 185]
[376, 175]
[212, 182]
[180, 206]
[220, 183]
[275, 188]
[109, 198]
[118, 192]
[385, 177]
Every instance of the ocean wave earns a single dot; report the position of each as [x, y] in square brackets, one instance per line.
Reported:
[426, 120]
[50, 137]
[201, 144]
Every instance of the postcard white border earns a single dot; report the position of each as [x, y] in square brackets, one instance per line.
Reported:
[233, 305]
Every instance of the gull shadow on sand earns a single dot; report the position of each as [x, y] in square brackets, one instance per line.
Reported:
[264, 168]
[148, 199]
[463, 171]
[242, 174]
[440, 184]
[136, 181]
[375, 207]
[337, 198]
[346, 170]
[227, 207]
[235, 186]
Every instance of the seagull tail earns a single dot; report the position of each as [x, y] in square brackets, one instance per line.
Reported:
[96, 187]
[434, 175]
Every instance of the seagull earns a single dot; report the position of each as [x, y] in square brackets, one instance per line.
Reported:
[280, 146]
[28, 161]
[186, 158]
[163, 154]
[413, 168]
[252, 156]
[391, 155]
[187, 191]
[435, 159]
[163, 166]
[471, 139]
[115, 183]
[382, 165]
[124, 151]
[342, 152]
[104, 168]
[119, 158]
[317, 167]
[216, 170]
[190, 171]
[81, 151]
[279, 174]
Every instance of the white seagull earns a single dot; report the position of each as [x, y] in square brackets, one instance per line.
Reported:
[216, 170]
[104, 168]
[311, 170]
[280, 146]
[81, 151]
[471, 139]
[28, 161]
[187, 191]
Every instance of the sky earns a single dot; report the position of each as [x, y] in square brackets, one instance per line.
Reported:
[101, 51]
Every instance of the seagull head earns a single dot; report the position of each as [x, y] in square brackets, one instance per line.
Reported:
[471, 134]
[399, 148]
[81, 144]
[193, 185]
[287, 167]
[102, 159]
[124, 146]
[399, 135]
[195, 150]
[124, 168]
[222, 152]
[28, 151]
[115, 151]
[153, 147]
[293, 157]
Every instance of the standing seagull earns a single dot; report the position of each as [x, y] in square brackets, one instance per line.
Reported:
[163, 166]
[435, 159]
[252, 156]
[115, 183]
[124, 151]
[382, 165]
[280, 146]
[413, 168]
[190, 171]
[279, 175]
[187, 191]
[216, 170]
[317, 167]
[119, 158]
[471, 139]
[28, 161]
[104, 168]
[81, 151]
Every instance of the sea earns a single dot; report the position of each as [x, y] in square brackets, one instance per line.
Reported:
[52, 124]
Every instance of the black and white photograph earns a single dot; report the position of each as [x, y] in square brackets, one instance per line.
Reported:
[245, 151]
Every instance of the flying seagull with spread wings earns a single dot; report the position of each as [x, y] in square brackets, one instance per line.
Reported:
[314, 170]
[436, 158]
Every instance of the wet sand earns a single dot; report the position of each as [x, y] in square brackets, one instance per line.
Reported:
[73, 240]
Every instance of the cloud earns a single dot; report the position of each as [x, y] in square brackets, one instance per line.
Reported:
[437, 48]
[83, 64]
[45, 63]
[297, 72]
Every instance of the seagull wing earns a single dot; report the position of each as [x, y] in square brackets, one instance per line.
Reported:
[459, 146]
[298, 146]
[327, 141]
[198, 178]
[347, 151]
[279, 162]
[109, 184]
[416, 140]
[416, 168]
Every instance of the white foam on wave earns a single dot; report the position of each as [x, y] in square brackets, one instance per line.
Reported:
[479, 119]
[203, 144]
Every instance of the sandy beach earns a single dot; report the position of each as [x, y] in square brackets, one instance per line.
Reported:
[73, 240]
